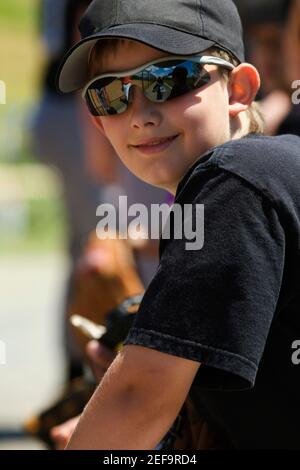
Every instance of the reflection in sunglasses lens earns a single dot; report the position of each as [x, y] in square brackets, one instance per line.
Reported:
[159, 83]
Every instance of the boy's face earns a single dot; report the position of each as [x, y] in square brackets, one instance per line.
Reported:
[158, 142]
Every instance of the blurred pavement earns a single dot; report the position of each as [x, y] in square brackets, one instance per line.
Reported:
[31, 294]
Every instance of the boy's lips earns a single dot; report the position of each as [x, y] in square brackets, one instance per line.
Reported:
[154, 145]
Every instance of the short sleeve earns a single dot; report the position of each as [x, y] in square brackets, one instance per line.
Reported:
[215, 305]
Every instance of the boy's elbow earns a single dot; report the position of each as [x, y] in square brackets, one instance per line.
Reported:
[159, 380]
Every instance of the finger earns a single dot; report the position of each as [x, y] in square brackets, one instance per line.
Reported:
[98, 372]
[61, 433]
[59, 437]
[99, 354]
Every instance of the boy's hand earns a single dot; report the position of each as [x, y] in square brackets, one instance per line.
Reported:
[62, 433]
[100, 358]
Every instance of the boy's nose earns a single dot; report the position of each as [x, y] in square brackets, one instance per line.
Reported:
[143, 113]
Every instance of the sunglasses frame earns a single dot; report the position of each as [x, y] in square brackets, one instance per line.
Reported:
[204, 60]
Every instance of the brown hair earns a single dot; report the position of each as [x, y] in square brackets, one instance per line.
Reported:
[97, 53]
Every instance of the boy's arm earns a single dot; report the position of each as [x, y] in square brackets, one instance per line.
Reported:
[136, 402]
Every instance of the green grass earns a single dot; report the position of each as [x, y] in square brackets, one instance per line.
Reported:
[32, 214]
[20, 49]
[18, 14]
[21, 59]
[46, 230]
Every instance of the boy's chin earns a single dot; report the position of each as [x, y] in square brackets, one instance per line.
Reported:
[159, 177]
[153, 182]
[161, 184]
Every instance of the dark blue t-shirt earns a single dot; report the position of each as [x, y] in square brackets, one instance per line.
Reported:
[234, 305]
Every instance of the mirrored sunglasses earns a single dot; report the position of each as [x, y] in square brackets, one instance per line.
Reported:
[160, 80]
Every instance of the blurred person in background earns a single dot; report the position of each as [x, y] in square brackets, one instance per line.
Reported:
[272, 48]
[292, 43]
[58, 140]
[291, 65]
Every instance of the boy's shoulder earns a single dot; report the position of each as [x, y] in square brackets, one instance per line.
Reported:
[257, 150]
[270, 164]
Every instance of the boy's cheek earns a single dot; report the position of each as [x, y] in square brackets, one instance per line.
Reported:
[97, 122]
[110, 125]
[111, 131]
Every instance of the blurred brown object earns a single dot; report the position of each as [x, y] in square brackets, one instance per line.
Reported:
[71, 404]
[105, 275]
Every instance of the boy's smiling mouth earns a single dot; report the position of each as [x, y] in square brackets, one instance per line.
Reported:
[154, 145]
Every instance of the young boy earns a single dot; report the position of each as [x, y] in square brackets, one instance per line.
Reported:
[220, 323]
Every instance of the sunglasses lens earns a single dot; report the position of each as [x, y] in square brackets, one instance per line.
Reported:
[159, 82]
[174, 78]
[106, 97]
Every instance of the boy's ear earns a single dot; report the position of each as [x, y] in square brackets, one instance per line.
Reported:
[243, 85]
[97, 122]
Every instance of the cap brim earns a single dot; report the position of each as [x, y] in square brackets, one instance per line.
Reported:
[73, 71]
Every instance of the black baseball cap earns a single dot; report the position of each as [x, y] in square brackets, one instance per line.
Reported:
[181, 27]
